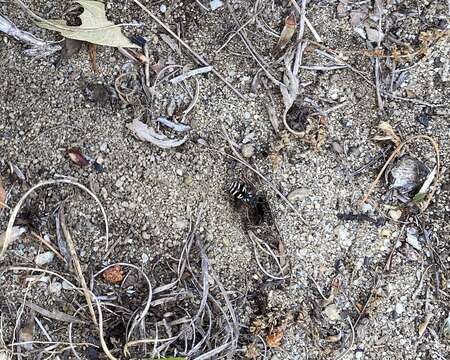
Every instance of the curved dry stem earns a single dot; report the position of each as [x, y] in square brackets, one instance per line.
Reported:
[149, 299]
[18, 206]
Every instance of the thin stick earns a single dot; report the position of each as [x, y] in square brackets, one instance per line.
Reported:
[260, 61]
[48, 245]
[187, 47]
[76, 263]
[14, 213]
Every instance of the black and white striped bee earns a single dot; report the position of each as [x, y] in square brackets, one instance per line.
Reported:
[240, 192]
[255, 203]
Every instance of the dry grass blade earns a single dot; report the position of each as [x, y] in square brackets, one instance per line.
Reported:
[54, 314]
[144, 312]
[16, 209]
[76, 263]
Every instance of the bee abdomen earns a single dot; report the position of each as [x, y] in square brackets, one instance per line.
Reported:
[239, 191]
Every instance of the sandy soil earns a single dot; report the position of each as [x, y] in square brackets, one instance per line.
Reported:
[150, 194]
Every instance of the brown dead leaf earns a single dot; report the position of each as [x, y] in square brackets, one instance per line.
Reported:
[77, 157]
[114, 275]
[387, 134]
[290, 25]
[274, 338]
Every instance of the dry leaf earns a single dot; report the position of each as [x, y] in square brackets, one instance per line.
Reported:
[274, 338]
[95, 28]
[424, 324]
[15, 234]
[2, 196]
[77, 157]
[114, 274]
[286, 35]
[26, 333]
[147, 133]
[388, 134]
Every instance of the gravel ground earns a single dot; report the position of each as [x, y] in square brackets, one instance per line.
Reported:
[339, 300]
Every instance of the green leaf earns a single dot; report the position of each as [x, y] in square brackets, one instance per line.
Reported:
[95, 27]
[419, 197]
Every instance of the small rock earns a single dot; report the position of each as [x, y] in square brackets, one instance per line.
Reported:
[298, 195]
[332, 312]
[179, 172]
[343, 236]
[145, 258]
[67, 286]
[188, 180]
[424, 118]
[399, 308]
[55, 288]
[395, 214]
[412, 239]
[146, 236]
[338, 148]
[215, 4]
[103, 147]
[247, 115]
[44, 258]
[163, 8]
[181, 224]
[248, 150]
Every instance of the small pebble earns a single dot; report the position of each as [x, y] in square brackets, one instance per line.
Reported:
[338, 148]
[67, 286]
[163, 8]
[215, 4]
[188, 180]
[332, 312]
[395, 214]
[55, 288]
[399, 308]
[298, 195]
[145, 258]
[44, 258]
[247, 150]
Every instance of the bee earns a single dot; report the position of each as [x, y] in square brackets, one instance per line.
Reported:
[240, 191]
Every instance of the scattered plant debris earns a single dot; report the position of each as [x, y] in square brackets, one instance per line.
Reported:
[94, 27]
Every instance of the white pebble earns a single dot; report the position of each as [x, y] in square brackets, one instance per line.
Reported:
[55, 288]
[163, 8]
[248, 150]
[215, 4]
[399, 308]
[44, 258]
[298, 195]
